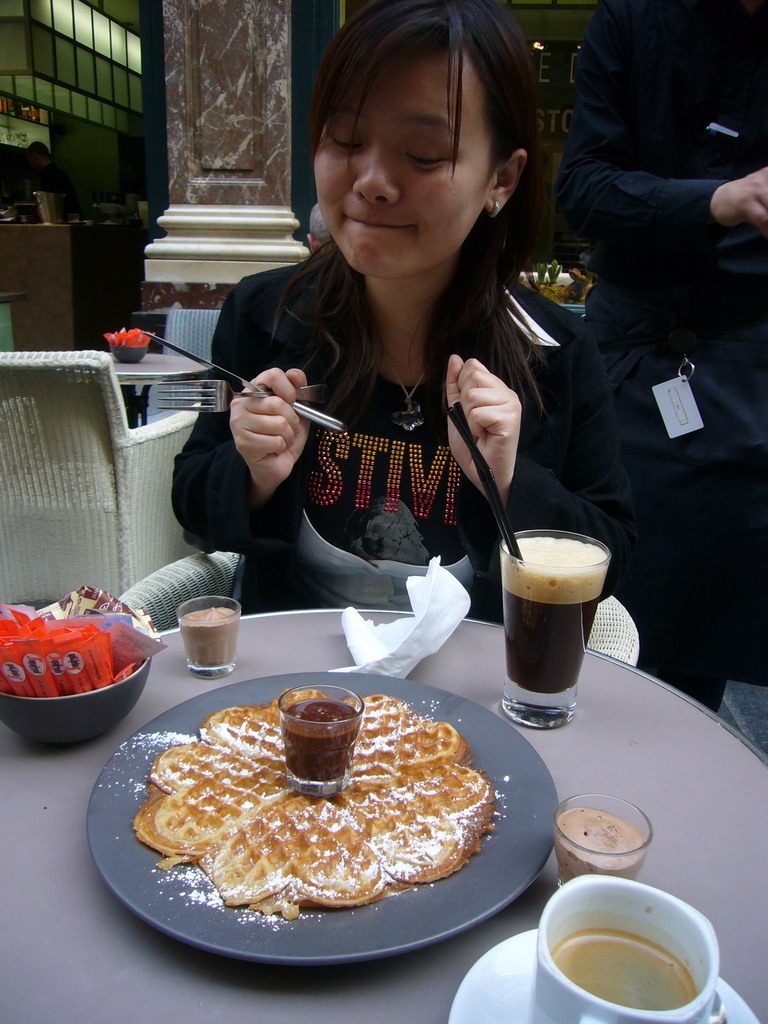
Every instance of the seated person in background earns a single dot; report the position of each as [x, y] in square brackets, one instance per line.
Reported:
[318, 232]
[426, 161]
[52, 178]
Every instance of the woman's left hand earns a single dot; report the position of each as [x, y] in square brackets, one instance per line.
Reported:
[493, 412]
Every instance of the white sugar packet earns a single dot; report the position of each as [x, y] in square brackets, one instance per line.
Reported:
[439, 603]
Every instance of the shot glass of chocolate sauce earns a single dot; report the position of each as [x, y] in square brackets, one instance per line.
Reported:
[319, 731]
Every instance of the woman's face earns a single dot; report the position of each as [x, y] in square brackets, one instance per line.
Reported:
[395, 203]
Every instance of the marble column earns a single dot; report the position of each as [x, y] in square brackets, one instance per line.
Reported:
[228, 99]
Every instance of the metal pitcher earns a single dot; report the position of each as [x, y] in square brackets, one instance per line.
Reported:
[50, 207]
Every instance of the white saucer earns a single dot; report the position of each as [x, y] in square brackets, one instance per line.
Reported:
[497, 989]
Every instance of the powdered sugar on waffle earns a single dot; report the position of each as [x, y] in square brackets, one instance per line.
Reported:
[413, 812]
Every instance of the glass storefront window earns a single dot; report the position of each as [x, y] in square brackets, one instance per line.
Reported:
[41, 10]
[62, 99]
[42, 50]
[63, 20]
[102, 41]
[117, 33]
[134, 52]
[65, 62]
[134, 88]
[24, 86]
[86, 74]
[83, 24]
[43, 92]
[94, 110]
[104, 79]
[120, 80]
[14, 55]
[79, 105]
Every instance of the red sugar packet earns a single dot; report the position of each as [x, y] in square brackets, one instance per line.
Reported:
[85, 641]
[31, 652]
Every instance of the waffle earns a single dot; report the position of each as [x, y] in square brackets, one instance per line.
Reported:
[182, 765]
[427, 825]
[393, 737]
[185, 823]
[301, 853]
[414, 810]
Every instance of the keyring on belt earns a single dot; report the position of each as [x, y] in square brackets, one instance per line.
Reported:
[686, 369]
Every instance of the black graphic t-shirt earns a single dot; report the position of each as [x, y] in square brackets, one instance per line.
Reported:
[568, 471]
[384, 493]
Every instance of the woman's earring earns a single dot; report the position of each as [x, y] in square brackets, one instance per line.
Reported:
[495, 210]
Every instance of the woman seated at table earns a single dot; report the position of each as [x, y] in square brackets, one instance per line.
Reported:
[424, 135]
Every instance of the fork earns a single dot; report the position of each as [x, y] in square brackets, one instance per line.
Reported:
[217, 395]
[322, 419]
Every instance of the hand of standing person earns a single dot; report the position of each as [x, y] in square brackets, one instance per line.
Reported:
[744, 200]
[493, 412]
[268, 433]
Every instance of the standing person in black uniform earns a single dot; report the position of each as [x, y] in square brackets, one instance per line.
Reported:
[666, 166]
[52, 178]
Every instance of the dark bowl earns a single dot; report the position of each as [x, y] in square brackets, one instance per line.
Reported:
[80, 716]
[128, 353]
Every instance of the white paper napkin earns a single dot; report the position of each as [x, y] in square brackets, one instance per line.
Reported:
[439, 603]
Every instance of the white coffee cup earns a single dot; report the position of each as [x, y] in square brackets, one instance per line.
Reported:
[605, 902]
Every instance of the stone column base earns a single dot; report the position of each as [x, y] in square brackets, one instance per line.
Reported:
[208, 249]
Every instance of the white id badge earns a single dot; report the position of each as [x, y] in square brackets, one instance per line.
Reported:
[677, 406]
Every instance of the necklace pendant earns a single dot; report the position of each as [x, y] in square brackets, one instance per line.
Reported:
[410, 417]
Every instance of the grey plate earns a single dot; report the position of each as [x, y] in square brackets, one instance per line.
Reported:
[183, 903]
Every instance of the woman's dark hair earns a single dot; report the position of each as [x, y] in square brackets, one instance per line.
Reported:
[472, 317]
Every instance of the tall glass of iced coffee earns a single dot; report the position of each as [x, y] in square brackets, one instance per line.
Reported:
[550, 598]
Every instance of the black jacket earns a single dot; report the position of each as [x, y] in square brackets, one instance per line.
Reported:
[641, 162]
[568, 474]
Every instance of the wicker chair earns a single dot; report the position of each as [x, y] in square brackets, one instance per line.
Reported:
[83, 498]
[192, 329]
[163, 591]
[613, 633]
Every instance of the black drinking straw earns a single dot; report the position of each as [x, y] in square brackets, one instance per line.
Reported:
[488, 480]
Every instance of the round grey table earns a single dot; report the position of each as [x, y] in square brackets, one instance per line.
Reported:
[137, 378]
[70, 951]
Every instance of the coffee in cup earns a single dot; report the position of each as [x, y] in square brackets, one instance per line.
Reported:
[625, 968]
[615, 951]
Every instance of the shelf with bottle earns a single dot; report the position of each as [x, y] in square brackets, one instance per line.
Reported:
[22, 111]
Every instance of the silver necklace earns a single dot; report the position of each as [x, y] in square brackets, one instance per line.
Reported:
[411, 416]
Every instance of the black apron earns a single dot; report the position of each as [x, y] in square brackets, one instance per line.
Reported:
[697, 585]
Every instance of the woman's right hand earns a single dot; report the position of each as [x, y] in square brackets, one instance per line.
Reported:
[268, 433]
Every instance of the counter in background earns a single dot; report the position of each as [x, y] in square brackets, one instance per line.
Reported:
[80, 281]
